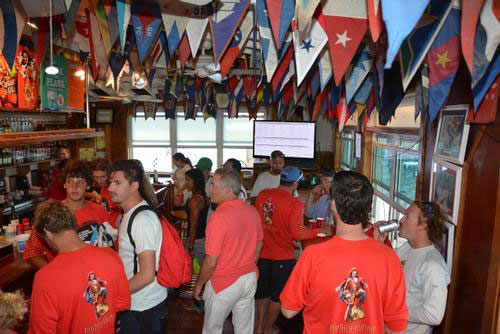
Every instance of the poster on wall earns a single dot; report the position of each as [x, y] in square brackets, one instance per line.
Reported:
[76, 86]
[54, 90]
[26, 78]
[452, 134]
[446, 181]
[8, 92]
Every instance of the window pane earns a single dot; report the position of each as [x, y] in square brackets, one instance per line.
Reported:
[151, 156]
[150, 130]
[408, 143]
[381, 209]
[197, 132]
[194, 154]
[382, 169]
[238, 131]
[384, 139]
[346, 152]
[406, 178]
[245, 155]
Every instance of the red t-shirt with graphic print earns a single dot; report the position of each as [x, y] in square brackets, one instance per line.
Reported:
[282, 218]
[92, 213]
[348, 287]
[79, 292]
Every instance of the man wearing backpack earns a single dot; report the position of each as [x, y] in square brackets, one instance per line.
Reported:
[232, 245]
[140, 256]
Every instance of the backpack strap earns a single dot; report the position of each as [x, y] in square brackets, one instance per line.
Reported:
[129, 228]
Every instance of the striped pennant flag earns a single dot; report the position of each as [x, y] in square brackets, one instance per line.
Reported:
[147, 21]
[123, 17]
[174, 21]
[281, 15]
[12, 23]
[69, 25]
[102, 21]
[238, 42]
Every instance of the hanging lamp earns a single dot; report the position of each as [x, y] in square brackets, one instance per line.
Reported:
[51, 70]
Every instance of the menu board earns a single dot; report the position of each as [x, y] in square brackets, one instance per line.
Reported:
[54, 90]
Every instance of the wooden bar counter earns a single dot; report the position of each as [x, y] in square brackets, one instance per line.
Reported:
[15, 273]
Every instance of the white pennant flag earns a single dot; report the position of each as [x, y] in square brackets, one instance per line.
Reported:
[195, 29]
[325, 68]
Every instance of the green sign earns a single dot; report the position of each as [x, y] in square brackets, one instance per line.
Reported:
[54, 88]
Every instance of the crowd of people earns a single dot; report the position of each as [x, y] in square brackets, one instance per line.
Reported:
[97, 271]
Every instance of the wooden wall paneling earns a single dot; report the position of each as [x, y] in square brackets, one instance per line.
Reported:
[365, 165]
[336, 151]
[119, 135]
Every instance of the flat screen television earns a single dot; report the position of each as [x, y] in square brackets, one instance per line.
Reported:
[294, 139]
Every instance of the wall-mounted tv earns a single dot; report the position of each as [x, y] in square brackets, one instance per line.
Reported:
[294, 139]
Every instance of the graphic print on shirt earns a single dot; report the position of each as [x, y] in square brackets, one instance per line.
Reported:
[268, 209]
[353, 294]
[95, 234]
[96, 293]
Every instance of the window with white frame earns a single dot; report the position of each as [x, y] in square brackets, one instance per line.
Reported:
[395, 171]
[155, 141]
[347, 150]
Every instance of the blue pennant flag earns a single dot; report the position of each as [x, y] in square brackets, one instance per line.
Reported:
[392, 94]
[364, 91]
[14, 20]
[146, 20]
[224, 24]
[363, 64]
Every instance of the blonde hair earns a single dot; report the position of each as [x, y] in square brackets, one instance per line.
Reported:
[12, 308]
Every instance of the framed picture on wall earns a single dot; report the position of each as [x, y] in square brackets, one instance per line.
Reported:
[446, 179]
[104, 116]
[452, 134]
[445, 245]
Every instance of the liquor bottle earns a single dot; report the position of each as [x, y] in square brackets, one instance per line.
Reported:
[14, 218]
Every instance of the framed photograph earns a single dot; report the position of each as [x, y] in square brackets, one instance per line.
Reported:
[452, 134]
[446, 179]
[104, 116]
[445, 245]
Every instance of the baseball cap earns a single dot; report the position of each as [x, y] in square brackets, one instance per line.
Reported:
[277, 154]
[291, 174]
[204, 164]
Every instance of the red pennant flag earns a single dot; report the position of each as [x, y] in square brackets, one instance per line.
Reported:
[184, 50]
[249, 85]
[470, 14]
[282, 68]
[487, 110]
[345, 26]
[375, 18]
[233, 83]
[287, 92]
[318, 103]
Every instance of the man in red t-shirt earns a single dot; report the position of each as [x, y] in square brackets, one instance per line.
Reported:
[100, 193]
[282, 218]
[83, 288]
[89, 217]
[351, 283]
[232, 246]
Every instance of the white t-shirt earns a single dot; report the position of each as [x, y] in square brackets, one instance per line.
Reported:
[265, 180]
[147, 235]
[427, 278]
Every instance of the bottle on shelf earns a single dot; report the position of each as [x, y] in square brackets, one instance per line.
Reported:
[14, 218]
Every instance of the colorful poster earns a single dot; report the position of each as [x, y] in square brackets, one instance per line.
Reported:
[76, 86]
[55, 87]
[26, 78]
[8, 93]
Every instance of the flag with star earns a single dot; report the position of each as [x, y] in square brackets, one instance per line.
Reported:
[146, 20]
[325, 68]
[308, 49]
[345, 23]
[486, 64]
[363, 64]
[415, 47]
[224, 23]
[400, 17]
[443, 59]
[281, 15]
[238, 42]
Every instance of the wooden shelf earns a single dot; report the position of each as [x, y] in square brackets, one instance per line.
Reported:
[26, 164]
[38, 137]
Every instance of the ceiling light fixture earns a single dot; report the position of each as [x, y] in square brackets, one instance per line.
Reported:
[51, 70]
[32, 25]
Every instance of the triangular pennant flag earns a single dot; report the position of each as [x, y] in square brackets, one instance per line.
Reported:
[69, 24]
[416, 46]
[12, 24]
[487, 110]
[169, 100]
[468, 29]
[159, 54]
[237, 44]
[112, 16]
[363, 64]
[174, 21]
[481, 86]
[224, 24]
[443, 59]
[364, 91]
[422, 92]
[308, 49]
[280, 16]
[288, 75]
[102, 21]
[146, 20]
[342, 112]
[150, 109]
[345, 24]
[123, 16]
[318, 103]
[305, 11]
[268, 47]
[189, 104]
[195, 30]
[375, 19]
[99, 60]
[281, 69]
[392, 94]
[116, 61]
[400, 18]
[325, 68]
[236, 98]
[184, 50]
